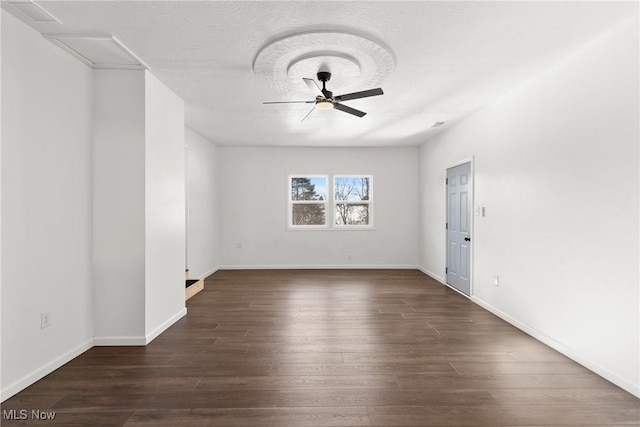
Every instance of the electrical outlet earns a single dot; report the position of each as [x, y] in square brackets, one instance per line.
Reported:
[350, 257]
[45, 320]
[496, 280]
[239, 245]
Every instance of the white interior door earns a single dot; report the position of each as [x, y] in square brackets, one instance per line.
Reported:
[459, 201]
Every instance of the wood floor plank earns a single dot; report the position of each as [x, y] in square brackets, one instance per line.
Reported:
[430, 337]
[75, 418]
[33, 399]
[500, 381]
[273, 417]
[329, 348]
[118, 360]
[96, 401]
[278, 348]
[182, 369]
[519, 368]
[116, 385]
[421, 357]
[376, 324]
[182, 359]
[325, 331]
[539, 397]
[299, 382]
[541, 357]
[388, 397]
[358, 368]
[569, 415]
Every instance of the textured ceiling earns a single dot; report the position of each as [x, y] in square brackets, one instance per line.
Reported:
[447, 59]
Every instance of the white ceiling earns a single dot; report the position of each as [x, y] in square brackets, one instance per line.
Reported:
[449, 58]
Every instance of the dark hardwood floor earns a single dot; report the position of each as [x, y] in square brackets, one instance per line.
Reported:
[329, 348]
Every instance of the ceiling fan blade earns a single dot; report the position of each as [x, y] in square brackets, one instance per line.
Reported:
[309, 113]
[289, 102]
[313, 86]
[349, 110]
[356, 95]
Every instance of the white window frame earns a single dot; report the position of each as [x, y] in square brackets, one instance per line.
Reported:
[335, 202]
[329, 203]
[291, 202]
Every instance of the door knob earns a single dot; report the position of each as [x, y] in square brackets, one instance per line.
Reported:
[467, 239]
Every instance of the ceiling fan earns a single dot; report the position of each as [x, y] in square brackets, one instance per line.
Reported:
[325, 99]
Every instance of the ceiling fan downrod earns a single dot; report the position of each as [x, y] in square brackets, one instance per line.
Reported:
[324, 77]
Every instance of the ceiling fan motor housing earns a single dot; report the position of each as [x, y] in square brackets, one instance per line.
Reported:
[324, 76]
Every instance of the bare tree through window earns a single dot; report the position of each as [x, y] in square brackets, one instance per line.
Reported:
[352, 199]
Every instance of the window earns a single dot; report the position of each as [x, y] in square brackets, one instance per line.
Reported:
[307, 201]
[352, 199]
[348, 201]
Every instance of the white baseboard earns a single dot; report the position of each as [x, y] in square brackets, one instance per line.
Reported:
[567, 351]
[45, 370]
[139, 340]
[432, 275]
[210, 272]
[319, 267]
[442, 281]
[164, 326]
[40, 373]
[119, 341]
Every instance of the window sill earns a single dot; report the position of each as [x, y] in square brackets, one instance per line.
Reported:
[355, 228]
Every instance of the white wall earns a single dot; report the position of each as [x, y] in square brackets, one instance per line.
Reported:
[139, 199]
[556, 166]
[46, 205]
[119, 205]
[164, 207]
[253, 206]
[203, 228]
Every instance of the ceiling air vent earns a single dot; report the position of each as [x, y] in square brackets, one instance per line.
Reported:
[437, 124]
[98, 51]
[33, 11]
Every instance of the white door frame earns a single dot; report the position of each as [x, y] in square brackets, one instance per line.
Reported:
[470, 160]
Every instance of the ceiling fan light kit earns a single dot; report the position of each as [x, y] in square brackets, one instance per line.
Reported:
[323, 104]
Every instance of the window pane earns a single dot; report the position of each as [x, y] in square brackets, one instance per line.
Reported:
[352, 214]
[308, 188]
[351, 188]
[308, 214]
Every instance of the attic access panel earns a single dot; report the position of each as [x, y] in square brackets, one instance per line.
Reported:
[98, 51]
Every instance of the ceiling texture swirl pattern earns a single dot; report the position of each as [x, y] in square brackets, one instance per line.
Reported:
[355, 62]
